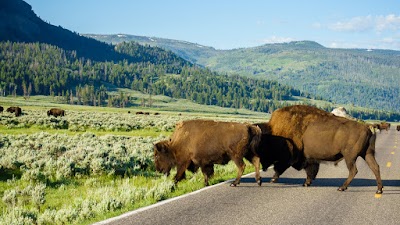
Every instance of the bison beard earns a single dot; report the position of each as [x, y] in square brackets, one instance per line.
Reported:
[316, 135]
[203, 143]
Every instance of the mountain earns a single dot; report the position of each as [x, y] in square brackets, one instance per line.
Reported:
[37, 58]
[363, 77]
[189, 51]
[41, 59]
[18, 23]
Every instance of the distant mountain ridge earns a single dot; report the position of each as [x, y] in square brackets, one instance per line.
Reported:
[40, 58]
[18, 23]
[364, 77]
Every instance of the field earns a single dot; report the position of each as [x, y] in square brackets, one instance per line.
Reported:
[95, 162]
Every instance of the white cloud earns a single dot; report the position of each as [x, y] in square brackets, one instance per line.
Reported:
[392, 43]
[275, 39]
[389, 22]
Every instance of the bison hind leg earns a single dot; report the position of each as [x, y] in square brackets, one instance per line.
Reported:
[241, 166]
[208, 171]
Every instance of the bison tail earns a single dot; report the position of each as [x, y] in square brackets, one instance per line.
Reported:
[255, 134]
[371, 146]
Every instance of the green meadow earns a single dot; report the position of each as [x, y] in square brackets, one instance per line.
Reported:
[95, 162]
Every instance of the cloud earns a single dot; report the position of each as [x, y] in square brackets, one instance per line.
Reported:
[392, 43]
[275, 39]
[389, 22]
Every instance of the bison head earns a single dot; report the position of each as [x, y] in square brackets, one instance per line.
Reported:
[164, 159]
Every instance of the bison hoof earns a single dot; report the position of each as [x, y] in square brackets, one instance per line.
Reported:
[341, 189]
[259, 182]
[233, 185]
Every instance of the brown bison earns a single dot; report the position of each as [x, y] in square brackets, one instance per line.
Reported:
[384, 126]
[1, 109]
[398, 127]
[203, 143]
[56, 112]
[15, 109]
[316, 135]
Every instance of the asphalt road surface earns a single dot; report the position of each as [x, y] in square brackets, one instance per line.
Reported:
[288, 202]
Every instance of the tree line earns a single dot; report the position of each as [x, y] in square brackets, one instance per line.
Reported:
[41, 69]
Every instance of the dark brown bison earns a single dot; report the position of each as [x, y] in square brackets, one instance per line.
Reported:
[203, 143]
[1, 109]
[277, 151]
[15, 109]
[56, 112]
[398, 127]
[316, 135]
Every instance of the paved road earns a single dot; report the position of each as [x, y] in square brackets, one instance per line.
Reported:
[288, 202]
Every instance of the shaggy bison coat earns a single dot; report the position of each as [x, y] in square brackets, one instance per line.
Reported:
[56, 112]
[15, 109]
[203, 143]
[316, 135]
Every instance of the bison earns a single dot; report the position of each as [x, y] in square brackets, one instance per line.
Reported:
[316, 135]
[384, 126]
[15, 109]
[398, 127]
[1, 109]
[56, 112]
[203, 143]
[277, 151]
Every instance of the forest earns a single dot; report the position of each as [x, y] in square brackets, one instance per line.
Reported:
[42, 69]
[342, 76]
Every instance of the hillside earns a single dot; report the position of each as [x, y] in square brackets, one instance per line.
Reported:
[362, 77]
[194, 53]
[18, 23]
[48, 60]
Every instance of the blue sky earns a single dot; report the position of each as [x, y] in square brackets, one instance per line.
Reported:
[228, 24]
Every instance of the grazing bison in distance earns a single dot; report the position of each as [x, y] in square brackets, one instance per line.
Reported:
[15, 109]
[56, 112]
[384, 126]
[1, 109]
[317, 136]
[203, 143]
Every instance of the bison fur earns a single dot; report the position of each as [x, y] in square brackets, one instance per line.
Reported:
[316, 136]
[203, 143]
[56, 112]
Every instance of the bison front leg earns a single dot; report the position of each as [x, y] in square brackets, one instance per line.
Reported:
[207, 171]
[279, 168]
[180, 174]
[311, 171]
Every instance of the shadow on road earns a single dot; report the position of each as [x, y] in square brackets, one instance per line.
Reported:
[326, 182]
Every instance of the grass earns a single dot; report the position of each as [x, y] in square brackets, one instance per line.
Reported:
[35, 129]
[69, 192]
[193, 182]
